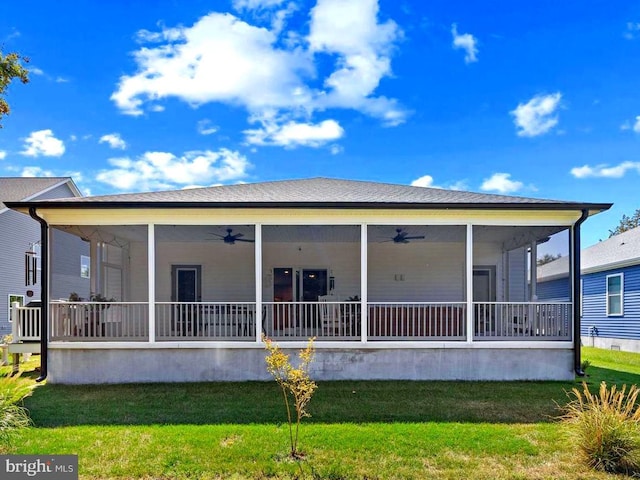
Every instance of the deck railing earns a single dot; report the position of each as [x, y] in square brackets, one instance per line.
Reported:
[100, 321]
[26, 323]
[326, 320]
[522, 321]
[205, 321]
[417, 321]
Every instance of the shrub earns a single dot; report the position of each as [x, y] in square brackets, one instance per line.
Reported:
[13, 416]
[606, 427]
[296, 385]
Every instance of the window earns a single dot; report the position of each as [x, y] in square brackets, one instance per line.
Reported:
[12, 299]
[85, 266]
[614, 294]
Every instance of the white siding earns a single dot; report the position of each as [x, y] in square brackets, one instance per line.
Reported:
[432, 272]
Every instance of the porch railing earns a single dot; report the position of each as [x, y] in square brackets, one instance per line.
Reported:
[417, 321]
[337, 321]
[302, 320]
[205, 321]
[100, 321]
[522, 321]
[26, 323]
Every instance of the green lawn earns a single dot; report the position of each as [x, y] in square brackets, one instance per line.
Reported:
[358, 429]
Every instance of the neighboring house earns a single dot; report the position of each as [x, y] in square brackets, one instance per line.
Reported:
[610, 291]
[20, 234]
[395, 282]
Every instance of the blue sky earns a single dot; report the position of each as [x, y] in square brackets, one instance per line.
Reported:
[522, 98]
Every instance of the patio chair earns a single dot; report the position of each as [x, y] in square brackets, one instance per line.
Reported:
[329, 315]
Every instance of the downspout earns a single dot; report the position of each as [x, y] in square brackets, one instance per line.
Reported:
[44, 292]
[576, 293]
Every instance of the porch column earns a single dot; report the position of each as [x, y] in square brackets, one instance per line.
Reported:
[151, 265]
[93, 266]
[469, 285]
[364, 310]
[533, 294]
[258, 268]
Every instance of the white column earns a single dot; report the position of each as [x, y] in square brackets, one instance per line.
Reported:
[364, 311]
[469, 263]
[533, 295]
[258, 268]
[94, 276]
[151, 265]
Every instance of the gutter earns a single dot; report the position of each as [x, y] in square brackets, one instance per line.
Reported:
[575, 272]
[44, 292]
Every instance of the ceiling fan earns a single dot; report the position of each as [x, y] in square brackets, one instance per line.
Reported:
[403, 237]
[230, 238]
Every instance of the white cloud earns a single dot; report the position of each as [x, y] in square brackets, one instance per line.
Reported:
[61, 80]
[35, 171]
[256, 4]
[466, 42]
[114, 140]
[633, 28]
[427, 182]
[537, 115]
[336, 149]
[163, 170]
[3, 154]
[363, 47]
[424, 181]
[222, 58]
[636, 126]
[293, 134]
[43, 142]
[36, 71]
[502, 183]
[605, 171]
[205, 127]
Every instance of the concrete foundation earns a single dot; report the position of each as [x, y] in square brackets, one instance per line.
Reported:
[90, 366]
[624, 344]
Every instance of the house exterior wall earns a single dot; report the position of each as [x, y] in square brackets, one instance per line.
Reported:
[113, 365]
[558, 290]
[16, 232]
[432, 272]
[623, 330]
[65, 253]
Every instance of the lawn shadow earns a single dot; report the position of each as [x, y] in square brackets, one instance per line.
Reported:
[261, 403]
[596, 375]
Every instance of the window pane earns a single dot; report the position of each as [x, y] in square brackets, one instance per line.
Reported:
[615, 307]
[614, 284]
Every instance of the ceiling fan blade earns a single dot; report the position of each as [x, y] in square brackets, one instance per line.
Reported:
[415, 237]
[244, 240]
[216, 234]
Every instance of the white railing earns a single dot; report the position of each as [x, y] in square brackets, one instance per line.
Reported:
[302, 320]
[205, 321]
[99, 321]
[522, 321]
[26, 323]
[417, 321]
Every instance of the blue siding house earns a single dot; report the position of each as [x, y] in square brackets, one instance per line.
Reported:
[610, 277]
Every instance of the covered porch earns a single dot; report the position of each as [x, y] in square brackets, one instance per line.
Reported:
[406, 283]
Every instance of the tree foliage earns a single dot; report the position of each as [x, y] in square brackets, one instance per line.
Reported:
[11, 67]
[547, 258]
[626, 223]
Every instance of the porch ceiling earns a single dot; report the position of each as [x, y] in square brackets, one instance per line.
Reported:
[510, 237]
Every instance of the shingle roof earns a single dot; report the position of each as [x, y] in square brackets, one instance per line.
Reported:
[313, 191]
[15, 189]
[620, 249]
[617, 251]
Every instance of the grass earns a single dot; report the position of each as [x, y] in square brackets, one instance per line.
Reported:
[441, 430]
